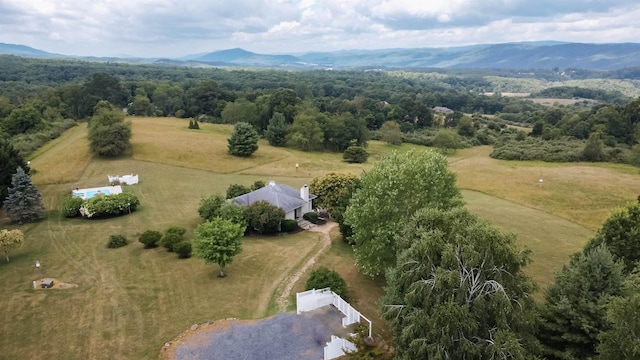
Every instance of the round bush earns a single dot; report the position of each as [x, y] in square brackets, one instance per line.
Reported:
[149, 238]
[288, 225]
[311, 217]
[175, 230]
[323, 277]
[183, 249]
[116, 241]
[170, 240]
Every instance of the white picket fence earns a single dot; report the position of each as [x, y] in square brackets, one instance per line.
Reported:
[313, 299]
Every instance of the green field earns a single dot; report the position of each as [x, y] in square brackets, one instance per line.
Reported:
[130, 301]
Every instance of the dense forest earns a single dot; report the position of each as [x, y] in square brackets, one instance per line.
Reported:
[325, 109]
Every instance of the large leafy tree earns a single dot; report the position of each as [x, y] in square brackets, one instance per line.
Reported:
[305, 133]
[458, 291]
[622, 340]
[10, 239]
[24, 202]
[243, 141]
[621, 233]
[10, 160]
[390, 132]
[395, 188]
[574, 312]
[334, 190]
[109, 133]
[218, 241]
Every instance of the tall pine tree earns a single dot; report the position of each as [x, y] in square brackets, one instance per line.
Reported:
[9, 161]
[24, 202]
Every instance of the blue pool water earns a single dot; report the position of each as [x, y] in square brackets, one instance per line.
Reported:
[90, 194]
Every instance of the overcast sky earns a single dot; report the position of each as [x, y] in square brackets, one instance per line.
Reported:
[173, 28]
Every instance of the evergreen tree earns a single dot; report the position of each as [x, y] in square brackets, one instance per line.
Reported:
[244, 140]
[277, 130]
[574, 313]
[24, 202]
[9, 161]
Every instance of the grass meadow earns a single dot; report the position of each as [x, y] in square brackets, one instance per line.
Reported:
[130, 301]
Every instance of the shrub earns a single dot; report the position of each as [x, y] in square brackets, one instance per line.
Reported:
[311, 217]
[180, 231]
[288, 225]
[109, 205]
[71, 206]
[323, 277]
[264, 217]
[149, 238]
[170, 240]
[116, 241]
[355, 154]
[235, 190]
[183, 249]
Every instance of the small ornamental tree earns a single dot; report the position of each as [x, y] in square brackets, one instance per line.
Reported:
[218, 241]
[390, 133]
[258, 184]
[149, 238]
[10, 239]
[264, 217]
[322, 277]
[24, 202]
[243, 141]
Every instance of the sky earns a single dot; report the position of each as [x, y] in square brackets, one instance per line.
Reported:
[175, 28]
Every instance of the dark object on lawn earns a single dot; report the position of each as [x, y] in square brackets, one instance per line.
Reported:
[47, 283]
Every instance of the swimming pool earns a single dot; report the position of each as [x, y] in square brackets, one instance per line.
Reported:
[92, 192]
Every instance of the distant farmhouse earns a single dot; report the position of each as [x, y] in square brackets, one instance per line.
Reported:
[295, 203]
[442, 110]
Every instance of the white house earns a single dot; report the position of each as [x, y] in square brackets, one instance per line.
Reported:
[295, 203]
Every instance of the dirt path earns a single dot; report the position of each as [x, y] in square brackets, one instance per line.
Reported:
[292, 279]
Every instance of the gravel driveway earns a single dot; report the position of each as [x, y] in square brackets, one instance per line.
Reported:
[281, 337]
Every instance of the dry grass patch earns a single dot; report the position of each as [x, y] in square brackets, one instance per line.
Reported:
[169, 141]
[583, 193]
[63, 159]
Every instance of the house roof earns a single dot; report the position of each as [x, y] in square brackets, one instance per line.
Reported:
[280, 195]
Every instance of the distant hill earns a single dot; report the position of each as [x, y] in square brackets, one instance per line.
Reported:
[22, 50]
[514, 56]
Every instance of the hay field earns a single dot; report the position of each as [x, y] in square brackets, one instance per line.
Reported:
[130, 301]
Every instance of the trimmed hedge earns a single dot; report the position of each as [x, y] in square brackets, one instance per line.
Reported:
[183, 249]
[311, 217]
[288, 225]
[109, 205]
[149, 238]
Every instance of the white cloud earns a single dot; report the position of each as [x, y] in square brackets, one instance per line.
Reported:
[179, 27]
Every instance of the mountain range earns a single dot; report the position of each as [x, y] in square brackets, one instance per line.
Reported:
[526, 55]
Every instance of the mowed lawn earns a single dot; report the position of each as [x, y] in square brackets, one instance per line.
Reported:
[130, 301]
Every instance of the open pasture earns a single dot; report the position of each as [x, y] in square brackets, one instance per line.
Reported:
[130, 301]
